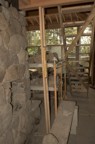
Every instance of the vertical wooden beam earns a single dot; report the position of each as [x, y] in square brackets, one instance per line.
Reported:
[44, 68]
[64, 48]
[78, 47]
[61, 83]
[91, 63]
[55, 89]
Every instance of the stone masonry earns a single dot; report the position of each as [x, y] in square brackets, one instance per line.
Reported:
[16, 113]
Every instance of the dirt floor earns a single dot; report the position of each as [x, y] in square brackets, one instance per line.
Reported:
[86, 122]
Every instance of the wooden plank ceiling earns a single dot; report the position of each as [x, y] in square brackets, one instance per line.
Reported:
[73, 11]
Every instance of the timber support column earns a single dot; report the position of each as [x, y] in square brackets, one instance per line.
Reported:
[44, 68]
[64, 49]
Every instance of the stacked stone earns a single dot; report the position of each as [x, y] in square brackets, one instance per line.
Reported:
[16, 113]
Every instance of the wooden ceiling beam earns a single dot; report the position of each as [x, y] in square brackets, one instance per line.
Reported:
[77, 9]
[32, 4]
[73, 24]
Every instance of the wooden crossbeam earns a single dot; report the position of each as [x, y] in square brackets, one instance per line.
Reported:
[77, 9]
[47, 3]
[87, 22]
[72, 24]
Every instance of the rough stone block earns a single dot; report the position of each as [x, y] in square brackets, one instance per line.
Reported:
[14, 72]
[2, 74]
[20, 139]
[50, 139]
[2, 95]
[5, 38]
[7, 89]
[22, 20]
[13, 58]
[4, 58]
[24, 31]
[2, 2]
[9, 137]
[6, 13]
[17, 42]
[13, 12]
[27, 87]
[5, 118]
[18, 101]
[15, 26]
[1, 40]
[11, 74]
[22, 56]
[3, 22]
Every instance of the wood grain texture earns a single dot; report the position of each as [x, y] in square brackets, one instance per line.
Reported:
[62, 124]
[47, 3]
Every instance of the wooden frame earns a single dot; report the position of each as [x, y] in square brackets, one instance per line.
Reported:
[46, 3]
[87, 22]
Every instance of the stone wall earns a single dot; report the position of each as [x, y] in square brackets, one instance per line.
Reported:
[17, 114]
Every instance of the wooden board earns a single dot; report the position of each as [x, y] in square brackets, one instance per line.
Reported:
[62, 124]
[31, 4]
[75, 122]
[40, 88]
[39, 65]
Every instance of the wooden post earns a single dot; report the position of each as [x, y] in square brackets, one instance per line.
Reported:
[91, 63]
[61, 83]
[55, 89]
[44, 68]
[65, 49]
[77, 48]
